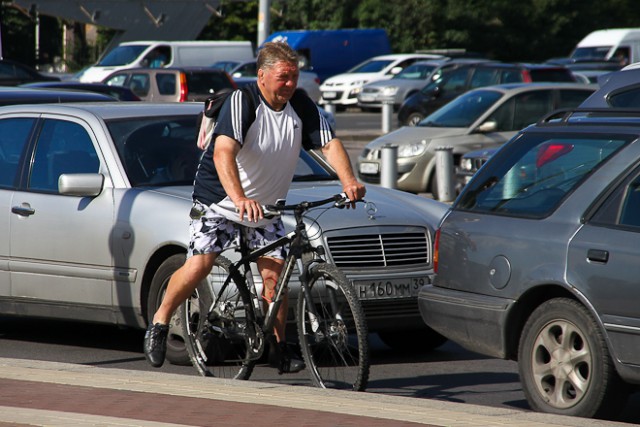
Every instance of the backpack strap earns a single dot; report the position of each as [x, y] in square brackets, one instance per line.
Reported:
[307, 110]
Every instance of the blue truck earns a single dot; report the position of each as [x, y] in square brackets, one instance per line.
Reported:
[331, 52]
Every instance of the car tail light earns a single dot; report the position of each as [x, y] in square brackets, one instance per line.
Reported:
[183, 88]
[317, 80]
[526, 76]
[436, 247]
[551, 151]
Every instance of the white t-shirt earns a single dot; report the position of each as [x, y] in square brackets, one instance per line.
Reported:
[271, 142]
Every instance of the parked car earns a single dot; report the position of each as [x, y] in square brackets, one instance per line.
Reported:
[453, 81]
[587, 70]
[171, 84]
[399, 87]
[483, 117]
[618, 90]
[14, 73]
[119, 93]
[342, 89]
[246, 72]
[88, 187]
[22, 95]
[538, 261]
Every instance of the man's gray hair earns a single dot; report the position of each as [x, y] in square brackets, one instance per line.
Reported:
[273, 52]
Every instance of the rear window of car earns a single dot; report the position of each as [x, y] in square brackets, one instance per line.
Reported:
[207, 83]
[628, 97]
[551, 75]
[532, 175]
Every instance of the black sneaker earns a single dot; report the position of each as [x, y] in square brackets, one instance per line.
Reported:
[289, 363]
[155, 344]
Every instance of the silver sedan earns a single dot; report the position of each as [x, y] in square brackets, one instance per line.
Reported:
[97, 199]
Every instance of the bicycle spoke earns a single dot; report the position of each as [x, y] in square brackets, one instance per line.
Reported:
[219, 333]
[337, 354]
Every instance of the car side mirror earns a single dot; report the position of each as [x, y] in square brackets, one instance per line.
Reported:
[395, 70]
[488, 126]
[80, 184]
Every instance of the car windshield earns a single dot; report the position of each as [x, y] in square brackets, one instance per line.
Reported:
[162, 151]
[122, 55]
[533, 177]
[592, 53]
[371, 66]
[415, 72]
[462, 111]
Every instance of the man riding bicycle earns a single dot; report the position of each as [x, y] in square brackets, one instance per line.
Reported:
[250, 163]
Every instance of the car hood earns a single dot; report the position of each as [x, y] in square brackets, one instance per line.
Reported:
[381, 208]
[413, 134]
[347, 78]
[484, 153]
[401, 83]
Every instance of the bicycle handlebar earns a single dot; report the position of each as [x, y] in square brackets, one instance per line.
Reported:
[339, 200]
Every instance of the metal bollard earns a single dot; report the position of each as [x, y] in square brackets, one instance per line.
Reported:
[444, 174]
[387, 113]
[389, 166]
[330, 108]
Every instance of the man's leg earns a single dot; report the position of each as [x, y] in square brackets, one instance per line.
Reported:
[181, 285]
[270, 269]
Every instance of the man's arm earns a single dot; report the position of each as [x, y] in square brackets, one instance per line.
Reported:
[338, 158]
[225, 151]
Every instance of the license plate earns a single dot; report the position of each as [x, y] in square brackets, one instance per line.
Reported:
[369, 168]
[387, 289]
[329, 95]
[365, 98]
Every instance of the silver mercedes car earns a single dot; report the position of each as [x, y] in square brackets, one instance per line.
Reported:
[97, 198]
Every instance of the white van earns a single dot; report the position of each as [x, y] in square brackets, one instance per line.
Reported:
[156, 54]
[614, 44]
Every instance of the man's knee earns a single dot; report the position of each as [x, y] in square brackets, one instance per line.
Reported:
[198, 267]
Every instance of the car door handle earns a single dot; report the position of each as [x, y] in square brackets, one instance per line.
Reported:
[598, 255]
[23, 210]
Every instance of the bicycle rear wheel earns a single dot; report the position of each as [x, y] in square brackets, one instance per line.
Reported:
[334, 345]
[219, 332]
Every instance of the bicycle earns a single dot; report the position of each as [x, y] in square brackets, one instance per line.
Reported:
[226, 327]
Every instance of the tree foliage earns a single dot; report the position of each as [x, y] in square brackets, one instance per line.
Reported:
[526, 30]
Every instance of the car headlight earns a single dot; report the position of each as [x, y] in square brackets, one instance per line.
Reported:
[390, 91]
[466, 164]
[413, 149]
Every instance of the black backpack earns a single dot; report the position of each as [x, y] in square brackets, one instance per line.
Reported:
[208, 118]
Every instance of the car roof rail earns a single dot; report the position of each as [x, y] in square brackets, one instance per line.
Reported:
[562, 116]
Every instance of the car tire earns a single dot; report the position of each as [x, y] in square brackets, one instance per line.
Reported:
[564, 363]
[414, 119]
[176, 349]
[412, 341]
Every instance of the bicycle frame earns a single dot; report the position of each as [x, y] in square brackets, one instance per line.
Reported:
[300, 249]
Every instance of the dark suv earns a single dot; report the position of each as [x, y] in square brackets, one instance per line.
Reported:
[537, 261]
[451, 81]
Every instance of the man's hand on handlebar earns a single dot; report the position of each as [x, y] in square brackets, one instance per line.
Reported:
[251, 208]
[354, 191]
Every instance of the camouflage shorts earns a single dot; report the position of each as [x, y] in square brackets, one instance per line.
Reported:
[210, 232]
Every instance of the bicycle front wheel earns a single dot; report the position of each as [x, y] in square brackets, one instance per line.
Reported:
[218, 327]
[333, 334]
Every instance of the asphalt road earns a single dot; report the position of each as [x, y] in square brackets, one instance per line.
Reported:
[449, 373]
